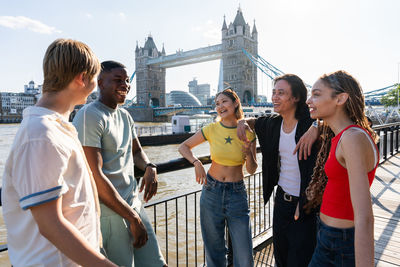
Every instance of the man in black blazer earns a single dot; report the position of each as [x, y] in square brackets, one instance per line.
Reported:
[294, 230]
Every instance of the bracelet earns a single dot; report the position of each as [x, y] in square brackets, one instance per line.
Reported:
[195, 161]
[151, 165]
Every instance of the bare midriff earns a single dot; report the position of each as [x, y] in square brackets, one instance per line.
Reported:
[335, 222]
[226, 173]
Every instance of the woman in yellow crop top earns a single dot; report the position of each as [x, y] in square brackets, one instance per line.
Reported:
[223, 199]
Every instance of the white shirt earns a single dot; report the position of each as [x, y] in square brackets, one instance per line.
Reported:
[289, 176]
[45, 162]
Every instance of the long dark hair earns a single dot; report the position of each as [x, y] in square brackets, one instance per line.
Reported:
[341, 82]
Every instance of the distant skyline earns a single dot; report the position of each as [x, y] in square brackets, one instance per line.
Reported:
[307, 38]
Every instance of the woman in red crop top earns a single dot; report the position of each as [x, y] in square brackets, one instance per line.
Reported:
[223, 198]
[343, 173]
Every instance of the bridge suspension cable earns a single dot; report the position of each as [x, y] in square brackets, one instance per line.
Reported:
[379, 92]
[267, 68]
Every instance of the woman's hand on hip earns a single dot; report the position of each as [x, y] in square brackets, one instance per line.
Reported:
[200, 173]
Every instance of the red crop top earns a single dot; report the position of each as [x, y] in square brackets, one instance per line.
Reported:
[336, 201]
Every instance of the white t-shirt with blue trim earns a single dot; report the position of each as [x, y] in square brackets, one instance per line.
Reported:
[45, 163]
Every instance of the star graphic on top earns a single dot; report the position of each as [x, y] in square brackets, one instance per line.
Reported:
[228, 140]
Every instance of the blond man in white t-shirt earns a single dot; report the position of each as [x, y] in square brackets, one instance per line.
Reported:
[50, 203]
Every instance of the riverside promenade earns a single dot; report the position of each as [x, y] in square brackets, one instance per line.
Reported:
[385, 192]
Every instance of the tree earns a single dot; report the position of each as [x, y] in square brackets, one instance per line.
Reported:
[390, 99]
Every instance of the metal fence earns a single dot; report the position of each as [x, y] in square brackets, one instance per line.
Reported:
[177, 224]
[388, 140]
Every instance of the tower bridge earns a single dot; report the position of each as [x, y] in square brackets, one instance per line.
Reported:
[181, 58]
[236, 68]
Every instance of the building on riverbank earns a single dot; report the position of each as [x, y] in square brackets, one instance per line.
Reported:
[13, 104]
[201, 91]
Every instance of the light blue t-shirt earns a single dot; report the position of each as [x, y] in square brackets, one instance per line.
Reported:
[111, 130]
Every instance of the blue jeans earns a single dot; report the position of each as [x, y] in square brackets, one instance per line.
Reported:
[335, 247]
[224, 204]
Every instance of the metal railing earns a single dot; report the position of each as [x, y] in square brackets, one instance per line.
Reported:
[389, 143]
[167, 129]
[176, 219]
[178, 216]
[176, 222]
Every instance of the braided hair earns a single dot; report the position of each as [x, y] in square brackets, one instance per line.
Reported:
[341, 82]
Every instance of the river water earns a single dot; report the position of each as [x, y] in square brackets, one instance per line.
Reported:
[169, 183]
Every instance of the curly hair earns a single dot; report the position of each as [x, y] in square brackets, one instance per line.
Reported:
[341, 82]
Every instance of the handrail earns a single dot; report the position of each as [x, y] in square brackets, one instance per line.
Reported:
[387, 125]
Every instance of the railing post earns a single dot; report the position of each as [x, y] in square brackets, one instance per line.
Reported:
[391, 141]
[397, 138]
[379, 143]
[166, 231]
[385, 144]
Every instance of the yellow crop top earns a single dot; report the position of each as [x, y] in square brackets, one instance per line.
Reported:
[225, 146]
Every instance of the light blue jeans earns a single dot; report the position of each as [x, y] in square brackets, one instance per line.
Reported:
[225, 204]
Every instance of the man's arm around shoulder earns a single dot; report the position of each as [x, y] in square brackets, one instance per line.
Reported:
[244, 125]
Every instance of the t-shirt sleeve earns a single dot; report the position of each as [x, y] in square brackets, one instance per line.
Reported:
[132, 124]
[90, 127]
[134, 135]
[38, 173]
[206, 131]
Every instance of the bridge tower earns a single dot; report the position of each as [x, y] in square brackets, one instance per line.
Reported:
[238, 71]
[150, 80]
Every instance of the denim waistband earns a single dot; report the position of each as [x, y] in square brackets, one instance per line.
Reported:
[215, 182]
[343, 233]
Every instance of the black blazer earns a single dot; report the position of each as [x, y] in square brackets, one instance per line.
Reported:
[268, 130]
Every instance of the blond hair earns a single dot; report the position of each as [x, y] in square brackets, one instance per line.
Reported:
[64, 59]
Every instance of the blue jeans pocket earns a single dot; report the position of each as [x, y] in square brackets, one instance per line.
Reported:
[240, 190]
[209, 187]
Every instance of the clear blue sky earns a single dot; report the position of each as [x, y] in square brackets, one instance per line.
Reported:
[308, 37]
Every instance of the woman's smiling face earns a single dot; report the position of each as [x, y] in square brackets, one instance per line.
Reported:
[322, 102]
[225, 107]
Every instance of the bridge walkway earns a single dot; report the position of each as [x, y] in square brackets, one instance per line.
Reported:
[385, 192]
